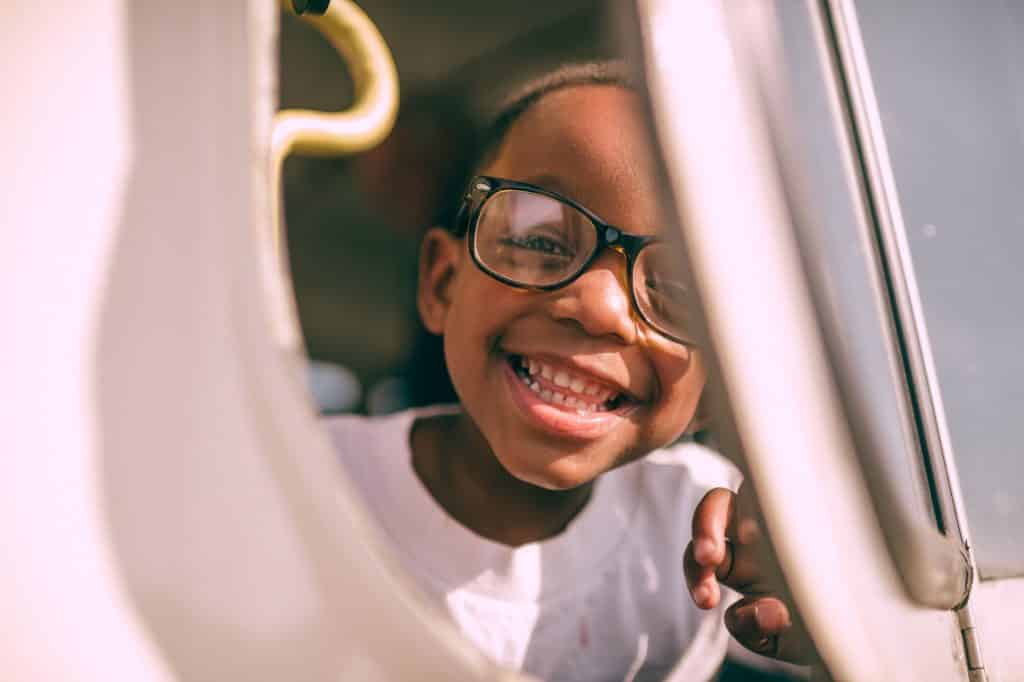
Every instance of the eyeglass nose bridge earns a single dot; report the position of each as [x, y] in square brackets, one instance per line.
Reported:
[628, 245]
[623, 273]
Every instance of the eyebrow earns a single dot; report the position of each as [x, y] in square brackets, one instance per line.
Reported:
[551, 183]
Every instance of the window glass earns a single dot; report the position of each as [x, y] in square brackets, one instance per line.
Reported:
[949, 77]
[848, 288]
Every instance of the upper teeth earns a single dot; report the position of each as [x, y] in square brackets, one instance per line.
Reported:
[562, 378]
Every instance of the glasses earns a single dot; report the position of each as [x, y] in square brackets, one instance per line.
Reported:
[530, 238]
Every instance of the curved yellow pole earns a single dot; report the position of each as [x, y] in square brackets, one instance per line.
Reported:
[360, 127]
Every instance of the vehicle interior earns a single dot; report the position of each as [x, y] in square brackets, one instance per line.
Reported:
[359, 219]
[218, 278]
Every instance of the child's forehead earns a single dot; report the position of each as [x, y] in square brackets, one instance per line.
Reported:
[589, 118]
[591, 143]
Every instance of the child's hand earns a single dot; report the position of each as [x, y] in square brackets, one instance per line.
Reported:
[725, 549]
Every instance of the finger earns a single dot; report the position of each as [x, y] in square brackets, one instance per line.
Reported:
[695, 579]
[748, 531]
[758, 623]
[700, 581]
[746, 572]
[746, 505]
[745, 529]
[711, 522]
[744, 568]
[709, 555]
[765, 626]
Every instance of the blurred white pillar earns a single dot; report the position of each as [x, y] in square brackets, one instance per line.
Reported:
[65, 149]
[169, 507]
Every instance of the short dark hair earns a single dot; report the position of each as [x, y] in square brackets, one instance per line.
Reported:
[591, 73]
[489, 138]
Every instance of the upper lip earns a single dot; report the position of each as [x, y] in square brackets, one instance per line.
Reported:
[592, 368]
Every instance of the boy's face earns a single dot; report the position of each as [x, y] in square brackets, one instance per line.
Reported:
[589, 143]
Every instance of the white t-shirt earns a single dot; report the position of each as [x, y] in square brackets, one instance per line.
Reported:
[603, 600]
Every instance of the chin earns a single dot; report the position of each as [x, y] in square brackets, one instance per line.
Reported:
[562, 474]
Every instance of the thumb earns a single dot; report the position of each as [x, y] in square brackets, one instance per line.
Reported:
[765, 626]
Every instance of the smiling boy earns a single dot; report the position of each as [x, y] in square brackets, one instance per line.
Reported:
[566, 334]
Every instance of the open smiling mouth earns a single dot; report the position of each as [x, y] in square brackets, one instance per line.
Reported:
[569, 391]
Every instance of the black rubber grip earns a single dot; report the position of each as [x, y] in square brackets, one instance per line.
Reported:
[311, 6]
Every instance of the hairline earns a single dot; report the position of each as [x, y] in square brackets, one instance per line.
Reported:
[514, 107]
[612, 73]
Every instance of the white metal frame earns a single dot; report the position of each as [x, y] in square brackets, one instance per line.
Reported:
[171, 506]
[720, 155]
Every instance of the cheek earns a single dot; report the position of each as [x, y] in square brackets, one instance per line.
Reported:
[481, 309]
[681, 377]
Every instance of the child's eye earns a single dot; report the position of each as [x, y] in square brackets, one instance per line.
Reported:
[541, 244]
[676, 291]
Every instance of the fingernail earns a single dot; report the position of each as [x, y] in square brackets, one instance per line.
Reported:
[704, 550]
[771, 619]
[763, 618]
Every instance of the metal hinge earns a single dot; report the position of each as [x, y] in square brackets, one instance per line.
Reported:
[975, 667]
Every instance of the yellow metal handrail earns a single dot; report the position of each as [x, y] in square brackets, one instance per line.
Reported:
[360, 127]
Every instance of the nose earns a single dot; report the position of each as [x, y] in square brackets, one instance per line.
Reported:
[598, 301]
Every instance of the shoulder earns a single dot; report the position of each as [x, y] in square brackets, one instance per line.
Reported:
[358, 436]
[694, 464]
[350, 429]
[677, 477]
[360, 441]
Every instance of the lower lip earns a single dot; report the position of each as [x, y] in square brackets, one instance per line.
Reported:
[560, 421]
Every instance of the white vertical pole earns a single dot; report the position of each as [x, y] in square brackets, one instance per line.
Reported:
[65, 154]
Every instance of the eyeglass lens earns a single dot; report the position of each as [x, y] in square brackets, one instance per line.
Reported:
[536, 240]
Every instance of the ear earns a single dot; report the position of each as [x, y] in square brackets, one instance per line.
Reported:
[440, 255]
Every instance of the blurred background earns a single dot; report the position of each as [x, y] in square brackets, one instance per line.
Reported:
[354, 224]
